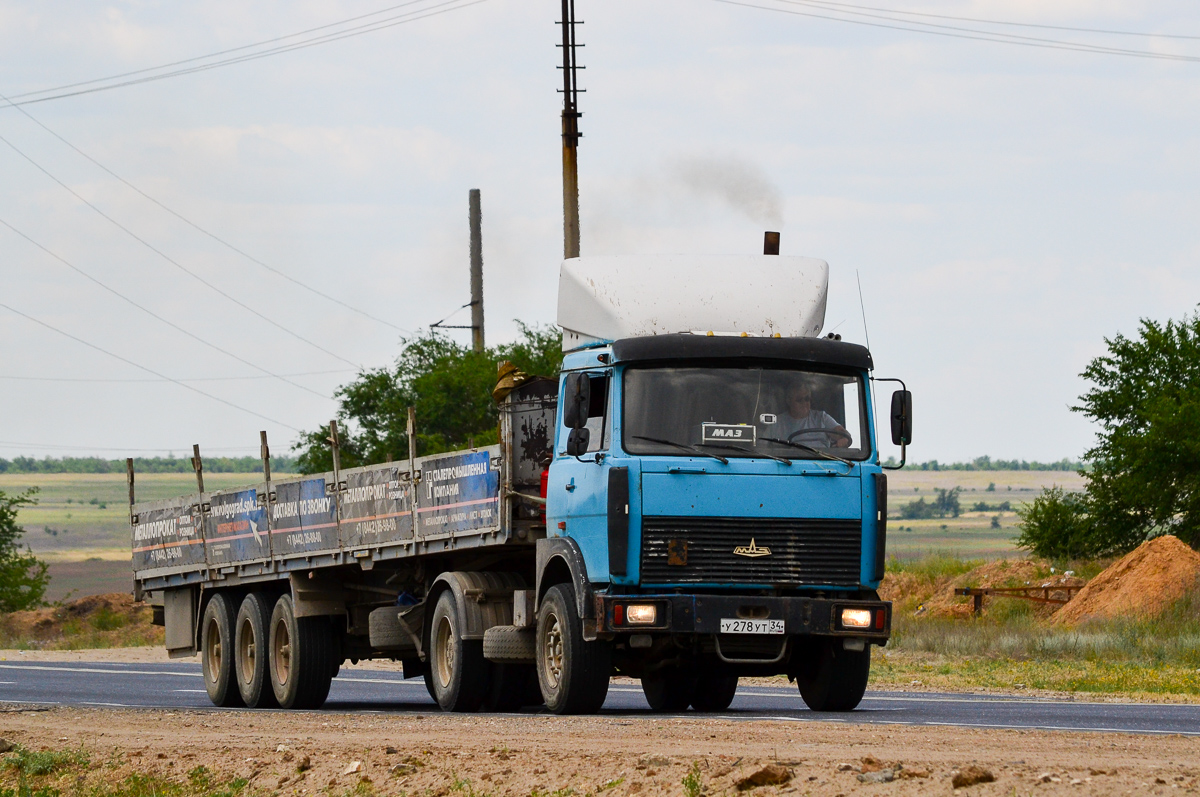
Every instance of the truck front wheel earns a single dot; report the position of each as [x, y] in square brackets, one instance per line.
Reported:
[216, 652]
[714, 692]
[301, 657]
[573, 674]
[458, 676]
[837, 678]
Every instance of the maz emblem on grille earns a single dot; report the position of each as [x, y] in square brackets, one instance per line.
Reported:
[751, 550]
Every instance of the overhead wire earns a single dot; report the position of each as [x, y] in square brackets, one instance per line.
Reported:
[206, 232]
[100, 380]
[444, 7]
[174, 262]
[961, 33]
[155, 315]
[1011, 23]
[148, 370]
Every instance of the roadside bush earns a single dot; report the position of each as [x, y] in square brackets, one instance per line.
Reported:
[1056, 525]
[23, 577]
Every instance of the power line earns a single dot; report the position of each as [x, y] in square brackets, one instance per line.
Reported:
[151, 371]
[200, 229]
[155, 315]
[182, 379]
[402, 19]
[174, 262]
[966, 33]
[1107, 31]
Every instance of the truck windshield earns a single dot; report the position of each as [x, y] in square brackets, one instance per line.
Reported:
[744, 412]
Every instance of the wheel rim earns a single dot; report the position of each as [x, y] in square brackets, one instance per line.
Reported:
[212, 643]
[246, 651]
[282, 645]
[445, 652]
[552, 651]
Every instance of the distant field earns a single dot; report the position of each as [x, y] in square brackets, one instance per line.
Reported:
[82, 530]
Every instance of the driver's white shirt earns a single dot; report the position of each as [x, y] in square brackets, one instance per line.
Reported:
[815, 420]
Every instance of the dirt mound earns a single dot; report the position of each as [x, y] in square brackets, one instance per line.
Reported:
[1143, 584]
[934, 597]
[111, 620]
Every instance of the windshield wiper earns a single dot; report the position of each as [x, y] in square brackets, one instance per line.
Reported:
[728, 447]
[803, 447]
[684, 446]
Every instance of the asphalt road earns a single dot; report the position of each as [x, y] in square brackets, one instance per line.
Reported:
[179, 685]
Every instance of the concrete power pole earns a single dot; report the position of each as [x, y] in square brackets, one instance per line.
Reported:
[570, 132]
[476, 272]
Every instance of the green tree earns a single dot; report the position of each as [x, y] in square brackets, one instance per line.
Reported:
[23, 577]
[1146, 475]
[449, 384]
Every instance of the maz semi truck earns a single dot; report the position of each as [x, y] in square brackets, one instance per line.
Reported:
[698, 496]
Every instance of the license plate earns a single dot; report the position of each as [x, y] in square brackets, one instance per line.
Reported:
[729, 626]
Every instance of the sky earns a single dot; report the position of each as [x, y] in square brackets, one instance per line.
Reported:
[1005, 208]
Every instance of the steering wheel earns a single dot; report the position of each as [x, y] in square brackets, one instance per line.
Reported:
[835, 432]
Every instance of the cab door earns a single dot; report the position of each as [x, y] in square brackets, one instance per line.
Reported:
[577, 491]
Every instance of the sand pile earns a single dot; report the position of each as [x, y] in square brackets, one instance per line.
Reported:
[1144, 583]
[95, 621]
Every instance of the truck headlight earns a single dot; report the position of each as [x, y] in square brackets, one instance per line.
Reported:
[856, 618]
[641, 614]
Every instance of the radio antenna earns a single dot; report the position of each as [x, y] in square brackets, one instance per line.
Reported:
[862, 307]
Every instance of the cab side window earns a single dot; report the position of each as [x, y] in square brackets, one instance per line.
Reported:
[599, 413]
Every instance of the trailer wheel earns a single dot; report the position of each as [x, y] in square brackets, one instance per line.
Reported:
[250, 651]
[513, 686]
[458, 672]
[714, 692]
[216, 652]
[301, 657]
[669, 690]
[838, 677]
[573, 673]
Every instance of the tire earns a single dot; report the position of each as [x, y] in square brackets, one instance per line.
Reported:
[669, 690]
[385, 632]
[839, 677]
[513, 686]
[714, 692]
[504, 644]
[250, 651]
[216, 652]
[573, 674]
[301, 659]
[458, 672]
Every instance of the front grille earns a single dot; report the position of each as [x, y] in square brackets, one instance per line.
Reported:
[693, 550]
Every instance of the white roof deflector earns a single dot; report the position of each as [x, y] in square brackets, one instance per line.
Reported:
[602, 299]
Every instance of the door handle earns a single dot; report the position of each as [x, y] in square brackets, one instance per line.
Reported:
[571, 485]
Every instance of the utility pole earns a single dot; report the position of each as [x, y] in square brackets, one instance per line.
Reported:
[476, 272]
[570, 132]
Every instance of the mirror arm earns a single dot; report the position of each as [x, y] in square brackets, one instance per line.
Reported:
[903, 442]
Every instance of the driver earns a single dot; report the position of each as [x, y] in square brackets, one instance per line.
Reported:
[803, 424]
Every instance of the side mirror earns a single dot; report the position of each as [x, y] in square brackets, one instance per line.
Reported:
[576, 399]
[902, 417]
[577, 442]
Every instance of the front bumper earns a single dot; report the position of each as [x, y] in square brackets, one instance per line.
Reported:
[702, 614]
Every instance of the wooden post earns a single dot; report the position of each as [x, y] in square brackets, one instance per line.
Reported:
[129, 478]
[265, 452]
[337, 454]
[412, 446]
[198, 466]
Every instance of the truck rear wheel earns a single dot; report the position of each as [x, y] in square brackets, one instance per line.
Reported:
[216, 652]
[250, 651]
[573, 673]
[669, 689]
[837, 678]
[714, 692]
[458, 673]
[300, 657]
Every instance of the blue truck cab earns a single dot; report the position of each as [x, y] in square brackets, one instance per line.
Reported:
[723, 500]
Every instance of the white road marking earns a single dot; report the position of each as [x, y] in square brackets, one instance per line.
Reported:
[92, 703]
[196, 691]
[93, 669]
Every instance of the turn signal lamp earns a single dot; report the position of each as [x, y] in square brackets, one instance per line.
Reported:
[856, 618]
[641, 614]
